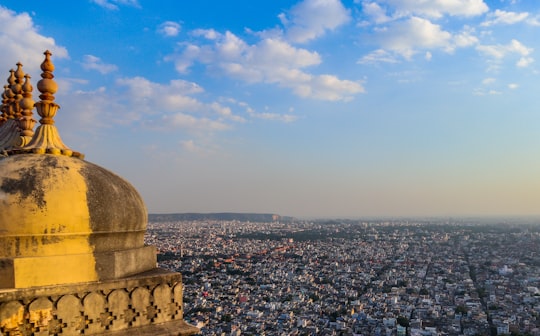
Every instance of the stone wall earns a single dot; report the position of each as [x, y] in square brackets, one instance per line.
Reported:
[146, 304]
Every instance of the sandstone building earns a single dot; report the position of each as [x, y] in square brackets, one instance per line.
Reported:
[72, 256]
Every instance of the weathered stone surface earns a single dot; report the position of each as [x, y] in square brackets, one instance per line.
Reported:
[118, 306]
[40, 314]
[94, 306]
[119, 264]
[145, 304]
[58, 213]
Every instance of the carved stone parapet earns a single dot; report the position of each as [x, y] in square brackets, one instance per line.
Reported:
[148, 303]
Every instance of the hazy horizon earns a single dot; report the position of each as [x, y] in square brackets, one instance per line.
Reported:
[314, 108]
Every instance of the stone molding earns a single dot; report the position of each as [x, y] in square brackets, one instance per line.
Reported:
[148, 303]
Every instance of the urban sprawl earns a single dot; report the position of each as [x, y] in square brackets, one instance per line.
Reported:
[362, 277]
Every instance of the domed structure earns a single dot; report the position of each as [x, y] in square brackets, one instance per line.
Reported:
[72, 253]
[60, 212]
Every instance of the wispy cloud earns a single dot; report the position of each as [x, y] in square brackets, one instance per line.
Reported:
[405, 38]
[503, 17]
[403, 28]
[169, 29]
[375, 12]
[436, 8]
[190, 146]
[266, 115]
[114, 4]
[91, 62]
[310, 19]
[270, 60]
[513, 86]
[497, 52]
[379, 56]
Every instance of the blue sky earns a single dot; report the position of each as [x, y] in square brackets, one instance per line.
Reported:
[315, 108]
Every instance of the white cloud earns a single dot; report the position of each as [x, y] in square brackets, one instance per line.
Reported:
[132, 3]
[286, 118]
[524, 62]
[513, 86]
[105, 4]
[503, 17]
[464, 39]
[226, 112]
[437, 8]
[312, 18]
[378, 56]
[162, 97]
[375, 12]
[270, 60]
[113, 4]
[482, 92]
[169, 29]
[406, 37]
[498, 52]
[190, 146]
[138, 101]
[533, 21]
[176, 106]
[328, 87]
[404, 28]
[92, 109]
[209, 34]
[187, 121]
[25, 43]
[91, 62]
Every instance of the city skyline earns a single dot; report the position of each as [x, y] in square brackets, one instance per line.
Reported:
[315, 108]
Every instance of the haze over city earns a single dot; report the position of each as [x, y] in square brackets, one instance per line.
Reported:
[315, 108]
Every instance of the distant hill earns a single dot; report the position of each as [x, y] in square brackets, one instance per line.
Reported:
[224, 216]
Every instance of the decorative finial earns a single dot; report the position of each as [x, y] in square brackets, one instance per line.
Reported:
[26, 122]
[3, 107]
[10, 95]
[11, 79]
[10, 135]
[46, 139]
[16, 87]
[47, 86]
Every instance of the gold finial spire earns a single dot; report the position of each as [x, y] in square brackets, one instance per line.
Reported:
[10, 94]
[47, 86]
[3, 107]
[9, 130]
[16, 87]
[26, 104]
[46, 139]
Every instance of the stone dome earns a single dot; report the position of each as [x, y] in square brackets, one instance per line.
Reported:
[53, 204]
[65, 220]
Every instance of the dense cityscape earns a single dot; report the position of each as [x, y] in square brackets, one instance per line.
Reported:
[361, 277]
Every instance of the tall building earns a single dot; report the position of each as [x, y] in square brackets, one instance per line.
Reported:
[72, 255]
